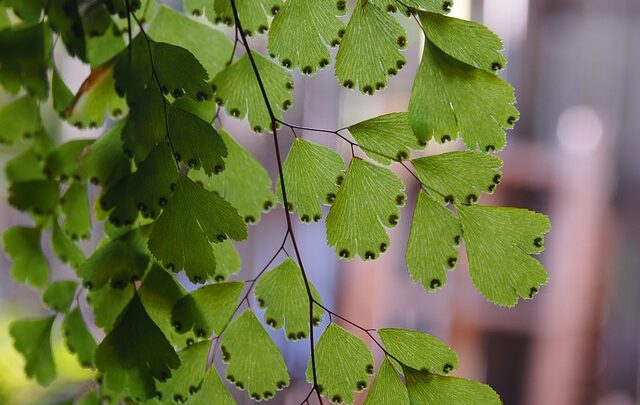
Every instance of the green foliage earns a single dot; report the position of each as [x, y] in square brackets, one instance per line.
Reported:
[282, 291]
[173, 190]
[246, 347]
[344, 364]
[367, 202]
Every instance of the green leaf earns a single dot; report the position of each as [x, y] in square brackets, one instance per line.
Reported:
[22, 245]
[212, 387]
[499, 241]
[32, 338]
[207, 309]
[200, 8]
[282, 291]
[19, 118]
[95, 99]
[64, 248]
[27, 11]
[78, 338]
[135, 353]
[252, 13]
[64, 18]
[237, 89]
[228, 260]
[244, 182]
[459, 177]
[466, 41]
[24, 56]
[181, 236]
[60, 93]
[62, 162]
[304, 45]
[188, 378]
[196, 142]
[386, 138]
[206, 43]
[311, 176]
[419, 350]
[104, 162]
[75, 206]
[433, 241]
[343, 364]
[59, 295]
[108, 303]
[159, 292]
[133, 72]
[254, 362]
[370, 49]
[39, 197]
[117, 261]
[147, 190]
[451, 97]
[188, 77]
[104, 48]
[387, 388]
[29, 165]
[367, 202]
[431, 389]
[145, 127]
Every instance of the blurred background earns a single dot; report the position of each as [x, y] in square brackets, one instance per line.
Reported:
[575, 155]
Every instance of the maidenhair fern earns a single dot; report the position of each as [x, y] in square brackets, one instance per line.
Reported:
[175, 191]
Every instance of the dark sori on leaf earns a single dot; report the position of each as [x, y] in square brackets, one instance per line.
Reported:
[175, 190]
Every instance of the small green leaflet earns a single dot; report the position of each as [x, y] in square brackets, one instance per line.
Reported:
[103, 162]
[367, 202]
[133, 71]
[431, 389]
[196, 142]
[343, 364]
[187, 379]
[200, 8]
[370, 49]
[181, 236]
[282, 291]
[159, 292]
[59, 295]
[64, 248]
[24, 57]
[435, 6]
[238, 91]
[228, 260]
[60, 94]
[244, 182]
[75, 206]
[144, 127]
[39, 197]
[386, 138]
[117, 261]
[104, 48]
[212, 387]
[433, 240]
[466, 41]
[62, 162]
[419, 350]
[22, 245]
[64, 19]
[188, 77]
[304, 45]
[450, 97]
[19, 119]
[207, 309]
[147, 190]
[78, 338]
[108, 303]
[311, 177]
[499, 241]
[206, 43]
[28, 165]
[459, 177]
[32, 338]
[95, 99]
[254, 362]
[252, 13]
[28, 11]
[135, 353]
[387, 388]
